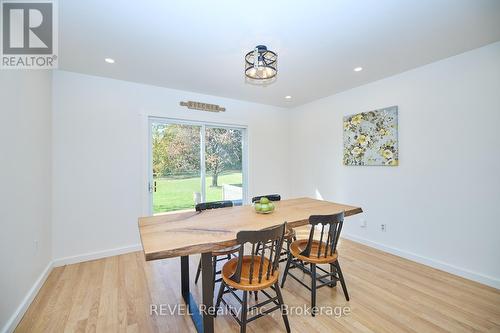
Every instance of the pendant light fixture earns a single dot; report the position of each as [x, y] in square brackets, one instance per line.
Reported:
[261, 65]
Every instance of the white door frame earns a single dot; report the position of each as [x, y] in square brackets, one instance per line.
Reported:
[203, 125]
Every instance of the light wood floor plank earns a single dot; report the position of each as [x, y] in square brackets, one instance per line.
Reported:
[388, 294]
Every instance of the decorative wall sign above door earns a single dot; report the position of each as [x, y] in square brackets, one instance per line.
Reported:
[203, 106]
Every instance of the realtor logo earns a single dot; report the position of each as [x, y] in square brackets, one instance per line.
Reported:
[29, 39]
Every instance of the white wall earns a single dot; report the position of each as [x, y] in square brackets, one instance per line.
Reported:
[442, 204]
[76, 185]
[25, 191]
[100, 157]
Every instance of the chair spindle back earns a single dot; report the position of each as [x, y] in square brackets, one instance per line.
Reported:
[334, 223]
[271, 241]
[271, 197]
[213, 205]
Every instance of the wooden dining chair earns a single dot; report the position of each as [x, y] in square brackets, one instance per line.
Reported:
[316, 252]
[248, 273]
[289, 232]
[271, 197]
[220, 255]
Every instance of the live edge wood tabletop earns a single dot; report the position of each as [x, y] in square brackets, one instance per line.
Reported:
[187, 233]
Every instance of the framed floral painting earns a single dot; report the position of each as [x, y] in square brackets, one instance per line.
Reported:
[371, 138]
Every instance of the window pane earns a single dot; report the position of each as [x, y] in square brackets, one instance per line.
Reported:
[223, 161]
[176, 166]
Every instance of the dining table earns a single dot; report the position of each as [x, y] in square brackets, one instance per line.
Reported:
[190, 233]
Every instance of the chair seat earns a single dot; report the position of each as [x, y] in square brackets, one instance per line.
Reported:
[227, 250]
[300, 245]
[229, 269]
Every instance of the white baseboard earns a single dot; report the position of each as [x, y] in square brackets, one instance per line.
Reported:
[14, 320]
[96, 255]
[484, 279]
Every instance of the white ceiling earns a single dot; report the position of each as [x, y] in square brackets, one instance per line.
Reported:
[199, 45]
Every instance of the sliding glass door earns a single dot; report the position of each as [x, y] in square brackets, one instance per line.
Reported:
[194, 162]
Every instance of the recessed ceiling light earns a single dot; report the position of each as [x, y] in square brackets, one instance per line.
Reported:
[358, 69]
[288, 97]
[109, 60]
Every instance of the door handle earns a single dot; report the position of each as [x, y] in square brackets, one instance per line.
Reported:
[152, 187]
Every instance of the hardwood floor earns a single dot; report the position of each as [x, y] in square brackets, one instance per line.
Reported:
[388, 294]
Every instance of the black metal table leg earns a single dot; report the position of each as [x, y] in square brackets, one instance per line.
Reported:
[193, 309]
[208, 291]
[203, 321]
[185, 276]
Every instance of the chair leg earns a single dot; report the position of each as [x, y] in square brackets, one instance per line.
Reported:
[342, 281]
[283, 311]
[255, 295]
[313, 289]
[198, 272]
[244, 309]
[332, 276]
[214, 262]
[287, 250]
[219, 297]
[287, 267]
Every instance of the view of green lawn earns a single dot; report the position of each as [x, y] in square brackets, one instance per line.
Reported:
[174, 193]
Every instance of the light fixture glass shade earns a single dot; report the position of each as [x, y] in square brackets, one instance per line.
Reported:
[261, 65]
